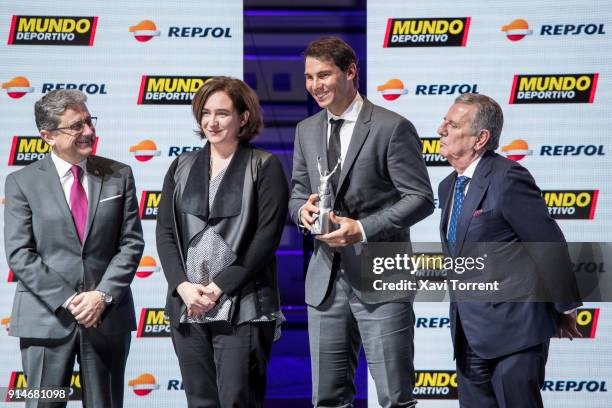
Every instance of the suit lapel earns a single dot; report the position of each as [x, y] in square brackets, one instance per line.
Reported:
[476, 191]
[360, 134]
[51, 183]
[94, 176]
[321, 141]
[228, 200]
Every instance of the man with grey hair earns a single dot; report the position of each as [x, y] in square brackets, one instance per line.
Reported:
[73, 239]
[500, 347]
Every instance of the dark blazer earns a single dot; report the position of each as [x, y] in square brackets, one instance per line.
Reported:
[503, 204]
[44, 252]
[383, 183]
[249, 212]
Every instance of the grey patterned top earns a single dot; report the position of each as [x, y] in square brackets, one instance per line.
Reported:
[207, 255]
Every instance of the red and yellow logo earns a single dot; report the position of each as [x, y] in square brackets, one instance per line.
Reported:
[427, 32]
[392, 89]
[169, 90]
[144, 31]
[153, 323]
[149, 203]
[6, 322]
[147, 267]
[554, 88]
[52, 30]
[586, 322]
[436, 384]
[145, 150]
[17, 87]
[516, 150]
[571, 204]
[143, 385]
[517, 29]
[18, 381]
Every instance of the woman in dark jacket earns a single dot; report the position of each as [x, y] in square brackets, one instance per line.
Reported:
[220, 220]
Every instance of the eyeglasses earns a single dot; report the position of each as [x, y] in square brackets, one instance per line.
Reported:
[77, 127]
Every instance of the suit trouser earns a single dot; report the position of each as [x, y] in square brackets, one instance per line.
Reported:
[223, 365]
[512, 381]
[336, 330]
[102, 359]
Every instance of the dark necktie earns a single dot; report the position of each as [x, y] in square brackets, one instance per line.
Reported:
[333, 151]
[460, 184]
[78, 201]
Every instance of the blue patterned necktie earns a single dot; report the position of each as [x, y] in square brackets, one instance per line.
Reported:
[460, 184]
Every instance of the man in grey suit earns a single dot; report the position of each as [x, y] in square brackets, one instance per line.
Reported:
[73, 239]
[382, 189]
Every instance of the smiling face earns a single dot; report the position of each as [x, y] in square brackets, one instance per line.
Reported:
[221, 122]
[458, 142]
[330, 87]
[72, 146]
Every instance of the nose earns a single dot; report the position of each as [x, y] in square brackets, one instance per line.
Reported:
[442, 129]
[88, 129]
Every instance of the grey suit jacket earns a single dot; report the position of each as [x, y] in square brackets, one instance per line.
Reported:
[44, 252]
[383, 183]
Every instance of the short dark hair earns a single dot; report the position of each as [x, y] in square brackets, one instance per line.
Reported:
[243, 98]
[334, 49]
[49, 108]
[488, 116]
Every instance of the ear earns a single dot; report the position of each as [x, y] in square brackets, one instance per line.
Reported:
[351, 72]
[244, 118]
[47, 137]
[482, 139]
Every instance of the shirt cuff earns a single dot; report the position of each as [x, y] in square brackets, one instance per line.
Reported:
[67, 302]
[570, 311]
[364, 239]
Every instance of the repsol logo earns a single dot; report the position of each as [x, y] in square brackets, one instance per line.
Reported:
[558, 88]
[436, 384]
[427, 32]
[575, 386]
[572, 29]
[18, 381]
[200, 32]
[91, 89]
[572, 150]
[169, 90]
[432, 323]
[52, 30]
[571, 204]
[445, 89]
[28, 149]
[149, 204]
[431, 152]
[175, 151]
[153, 323]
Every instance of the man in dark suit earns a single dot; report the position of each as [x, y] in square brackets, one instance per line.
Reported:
[500, 347]
[379, 191]
[73, 239]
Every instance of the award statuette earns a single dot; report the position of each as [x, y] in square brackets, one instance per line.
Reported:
[322, 224]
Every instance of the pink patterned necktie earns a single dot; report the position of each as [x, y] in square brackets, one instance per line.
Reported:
[78, 201]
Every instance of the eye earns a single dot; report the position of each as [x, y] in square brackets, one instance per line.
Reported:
[77, 126]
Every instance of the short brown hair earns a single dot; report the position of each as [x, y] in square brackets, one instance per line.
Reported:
[243, 98]
[333, 49]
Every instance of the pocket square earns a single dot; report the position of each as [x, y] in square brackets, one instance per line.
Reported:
[477, 213]
[110, 198]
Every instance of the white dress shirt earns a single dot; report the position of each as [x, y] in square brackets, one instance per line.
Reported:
[65, 175]
[468, 172]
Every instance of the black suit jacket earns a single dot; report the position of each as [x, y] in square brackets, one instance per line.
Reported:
[249, 212]
[504, 205]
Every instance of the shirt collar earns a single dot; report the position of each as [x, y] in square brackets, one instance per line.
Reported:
[469, 172]
[63, 167]
[351, 113]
